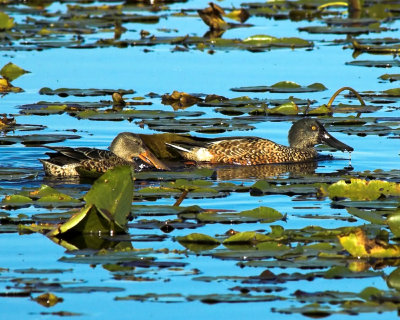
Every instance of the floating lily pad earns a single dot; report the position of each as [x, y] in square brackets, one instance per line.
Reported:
[201, 125]
[6, 22]
[358, 245]
[376, 64]
[359, 189]
[11, 71]
[129, 114]
[390, 77]
[283, 87]
[36, 139]
[261, 214]
[48, 299]
[65, 92]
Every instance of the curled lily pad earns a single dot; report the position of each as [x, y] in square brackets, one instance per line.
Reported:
[108, 204]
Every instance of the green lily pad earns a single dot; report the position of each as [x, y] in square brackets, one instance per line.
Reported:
[394, 223]
[198, 242]
[36, 139]
[370, 216]
[265, 40]
[232, 298]
[376, 64]
[393, 280]
[261, 214]
[283, 87]
[390, 77]
[11, 71]
[108, 204]
[359, 189]
[6, 22]
[358, 245]
[65, 92]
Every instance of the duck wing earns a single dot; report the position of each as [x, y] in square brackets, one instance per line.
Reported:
[80, 154]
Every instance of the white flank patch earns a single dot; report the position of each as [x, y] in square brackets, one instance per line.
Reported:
[202, 154]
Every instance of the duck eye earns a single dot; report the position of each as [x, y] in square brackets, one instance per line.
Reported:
[313, 128]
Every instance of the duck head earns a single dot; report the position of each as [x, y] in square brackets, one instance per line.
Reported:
[127, 146]
[307, 132]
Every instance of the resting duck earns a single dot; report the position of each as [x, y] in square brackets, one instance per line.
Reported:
[68, 162]
[303, 136]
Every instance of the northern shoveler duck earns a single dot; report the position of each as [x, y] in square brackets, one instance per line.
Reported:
[126, 146]
[303, 136]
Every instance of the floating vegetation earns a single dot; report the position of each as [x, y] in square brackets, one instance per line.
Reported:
[289, 239]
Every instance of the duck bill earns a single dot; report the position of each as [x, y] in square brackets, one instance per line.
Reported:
[150, 158]
[335, 143]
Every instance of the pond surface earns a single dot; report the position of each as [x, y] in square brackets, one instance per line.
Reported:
[302, 271]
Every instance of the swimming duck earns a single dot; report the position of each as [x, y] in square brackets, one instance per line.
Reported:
[303, 136]
[126, 146]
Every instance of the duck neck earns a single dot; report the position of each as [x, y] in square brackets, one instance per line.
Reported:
[297, 142]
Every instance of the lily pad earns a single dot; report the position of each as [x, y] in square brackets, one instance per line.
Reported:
[358, 245]
[11, 71]
[283, 87]
[359, 189]
[108, 204]
[65, 92]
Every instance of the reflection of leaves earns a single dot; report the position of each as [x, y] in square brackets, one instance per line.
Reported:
[179, 100]
[6, 86]
[212, 16]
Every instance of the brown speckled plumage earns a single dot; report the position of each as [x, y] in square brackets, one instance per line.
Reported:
[252, 151]
[66, 162]
[303, 136]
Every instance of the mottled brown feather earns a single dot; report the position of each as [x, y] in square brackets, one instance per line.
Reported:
[252, 151]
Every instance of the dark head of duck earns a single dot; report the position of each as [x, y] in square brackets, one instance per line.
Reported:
[307, 132]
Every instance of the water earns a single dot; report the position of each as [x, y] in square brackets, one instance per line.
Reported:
[161, 71]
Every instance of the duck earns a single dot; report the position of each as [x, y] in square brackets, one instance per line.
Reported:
[303, 136]
[126, 146]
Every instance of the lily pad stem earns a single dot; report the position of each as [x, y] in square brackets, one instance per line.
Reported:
[329, 105]
[181, 198]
